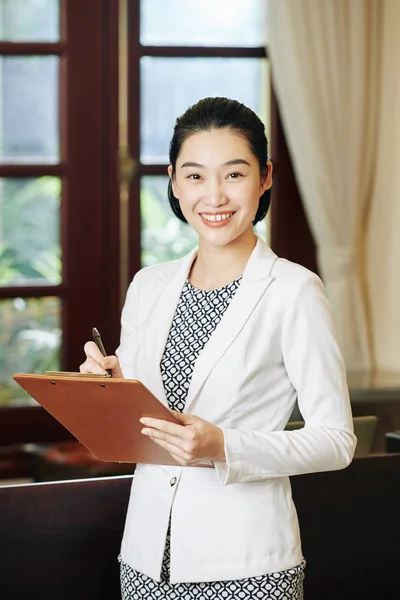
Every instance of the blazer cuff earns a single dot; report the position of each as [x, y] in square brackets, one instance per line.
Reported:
[225, 473]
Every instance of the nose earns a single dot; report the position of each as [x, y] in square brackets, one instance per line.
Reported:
[215, 195]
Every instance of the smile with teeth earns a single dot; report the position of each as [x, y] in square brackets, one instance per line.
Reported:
[219, 217]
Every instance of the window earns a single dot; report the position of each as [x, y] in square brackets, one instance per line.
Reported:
[30, 190]
[57, 184]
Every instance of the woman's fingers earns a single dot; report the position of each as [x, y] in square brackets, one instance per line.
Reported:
[112, 362]
[157, 434]
[91, 366]
[176, 439]
[92, 351]
[166, 426]
[97, 363]
[194, 441]
[176, 452]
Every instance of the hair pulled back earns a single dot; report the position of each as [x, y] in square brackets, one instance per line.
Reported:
[220, 113]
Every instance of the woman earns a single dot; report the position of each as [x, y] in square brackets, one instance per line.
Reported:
[229, 337]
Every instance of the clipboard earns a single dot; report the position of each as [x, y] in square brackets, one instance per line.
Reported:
[102, 413]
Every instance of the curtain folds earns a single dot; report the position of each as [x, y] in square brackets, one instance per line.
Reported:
[326, 73]
[383, 251]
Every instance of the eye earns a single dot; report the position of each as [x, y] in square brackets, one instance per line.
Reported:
[234, 175]
[194, 176]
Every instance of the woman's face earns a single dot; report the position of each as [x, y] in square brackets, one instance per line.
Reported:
[218, 184]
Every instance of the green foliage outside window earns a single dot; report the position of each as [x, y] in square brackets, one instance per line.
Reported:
[29, 231]
[29, 254]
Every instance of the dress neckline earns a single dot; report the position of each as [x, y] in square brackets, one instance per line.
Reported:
[214, 290]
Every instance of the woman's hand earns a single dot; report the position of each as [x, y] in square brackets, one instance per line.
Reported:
[192, 442]
[97, 363]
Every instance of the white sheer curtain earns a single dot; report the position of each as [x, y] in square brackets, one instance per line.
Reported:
[325, 66]
[384, 229]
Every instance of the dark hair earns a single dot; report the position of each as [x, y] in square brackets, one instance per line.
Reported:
[219, 113]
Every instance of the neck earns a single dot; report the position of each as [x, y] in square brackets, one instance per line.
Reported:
[215, 267]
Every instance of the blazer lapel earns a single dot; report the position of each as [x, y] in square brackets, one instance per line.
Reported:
[158, 326]
[256, 279]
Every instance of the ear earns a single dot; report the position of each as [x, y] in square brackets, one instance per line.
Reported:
[266, 178]
[173, 182]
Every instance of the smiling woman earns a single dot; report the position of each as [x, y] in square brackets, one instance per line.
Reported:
[227, 337]
[220, 180]
[214, 194]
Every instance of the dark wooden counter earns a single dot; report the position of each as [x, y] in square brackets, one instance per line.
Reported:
[61, 540]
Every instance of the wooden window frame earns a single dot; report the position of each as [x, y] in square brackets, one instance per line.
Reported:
[89, 204]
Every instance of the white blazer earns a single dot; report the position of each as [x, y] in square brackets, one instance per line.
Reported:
[275, 343]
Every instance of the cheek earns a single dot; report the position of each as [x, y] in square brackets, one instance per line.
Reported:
[249, 193]
[188, 195]
[187, 203]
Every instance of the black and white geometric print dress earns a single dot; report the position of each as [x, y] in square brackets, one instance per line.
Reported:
[197, 315]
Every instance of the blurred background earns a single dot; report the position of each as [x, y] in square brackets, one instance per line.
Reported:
[89, 92]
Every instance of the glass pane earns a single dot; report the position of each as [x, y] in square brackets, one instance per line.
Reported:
[30, 231]
[163, 236]
[30, 339]
[29, 20]
[181, 82]
[29, 109]
[238, 23]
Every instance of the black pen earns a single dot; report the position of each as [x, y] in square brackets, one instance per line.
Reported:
[99, 343]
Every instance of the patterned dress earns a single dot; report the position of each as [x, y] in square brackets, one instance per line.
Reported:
[197, 315]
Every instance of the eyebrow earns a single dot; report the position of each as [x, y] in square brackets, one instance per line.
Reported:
[235, 161]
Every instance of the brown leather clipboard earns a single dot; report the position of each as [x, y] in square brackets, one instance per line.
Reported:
[103, 414]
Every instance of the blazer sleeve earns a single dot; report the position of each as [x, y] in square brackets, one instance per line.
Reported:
[315, 367]
[126, 351]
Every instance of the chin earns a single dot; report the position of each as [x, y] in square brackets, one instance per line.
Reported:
[219, 239]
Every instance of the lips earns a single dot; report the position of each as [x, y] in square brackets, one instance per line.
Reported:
[216, 219]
